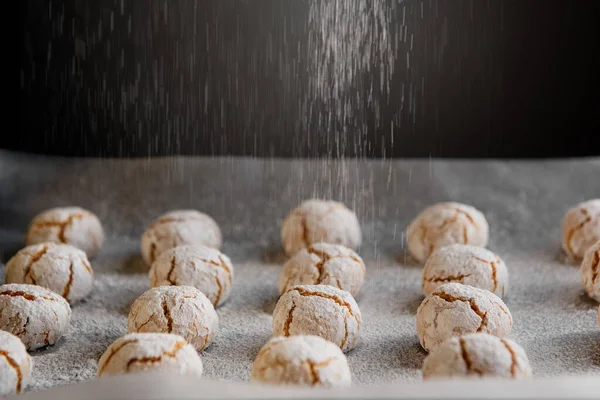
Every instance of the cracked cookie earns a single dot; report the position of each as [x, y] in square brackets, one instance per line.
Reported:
[316, 221]
[178, 228]
[38, 316]
[443, 224]
[301, 361]
[324, 264]
[61, 268]
[581, 228]
[469, 265]
[477, 355]
[202, 267]
[67, 225]
[590, 271]
[454, 309]
[182, 310]
[319, 310]
[145, 352]
[15, 365]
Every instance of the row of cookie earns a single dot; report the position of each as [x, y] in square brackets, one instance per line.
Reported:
[311, 222]
[292, 357]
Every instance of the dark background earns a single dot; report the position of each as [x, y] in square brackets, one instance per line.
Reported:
[493, 78]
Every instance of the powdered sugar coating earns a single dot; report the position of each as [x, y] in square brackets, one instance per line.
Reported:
[324, 264]
[581, 228]
[316, 221]
[454, 309]
[443, 224]
[202, 267]
[67, 225]
[144, 352]
[178, 228]
[38, 316]
[61, 268]
[319, 310]
[15, 365]
[590, 271]
[182, 310]
[469, 265]
[302, 361]
[477, 355]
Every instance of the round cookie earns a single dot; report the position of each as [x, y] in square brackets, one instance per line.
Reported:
[319, 310]
[316, 221]
[15, 365]
[204, 268]
[301, 361]
[145, 352]
[469, 265]
[178, 228]
[581, 228]
[182, 310]
[67, 225]
[443, 224]
[477, 355]
[454, 309]
[324, 264]
[38, 316]
[590, 271]
[61, 268]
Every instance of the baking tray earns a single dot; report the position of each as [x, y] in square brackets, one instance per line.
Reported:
[524, 202]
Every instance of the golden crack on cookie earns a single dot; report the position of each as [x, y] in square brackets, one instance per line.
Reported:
[339, 302]
[223, 265]
[170, 278]
[447, 221]
[67, 288]
[139, 327]
[451, 299]
[14, 365]
[114, 352]
[492, 265]
[33, 260]
[494, 274]
[324, 258]
[288, 321]
[152, 252]
[466, 358]
[23, 328]
[167, 314]
[26, 296]
[457, 277]
[168, 220]
[345, 338]
[88, 267]
[219, 291]
[149, 360]
[576, 228]
[505, 311]
[513, 358]
[314, 370]
[62, 225]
